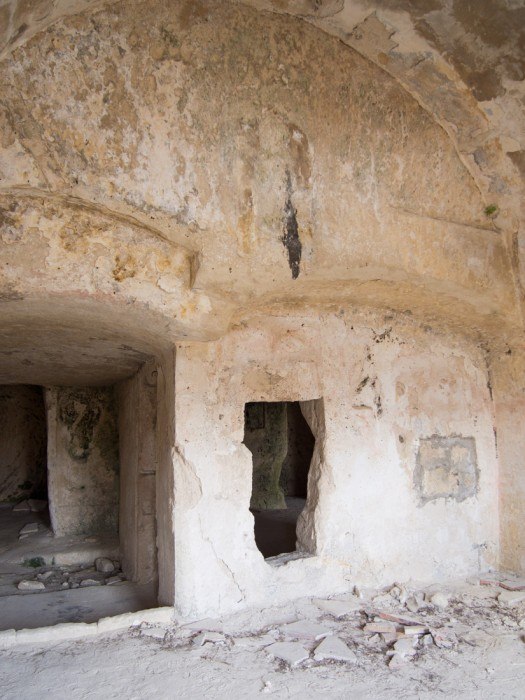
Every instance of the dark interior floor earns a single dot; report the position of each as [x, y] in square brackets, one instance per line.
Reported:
[275, 530]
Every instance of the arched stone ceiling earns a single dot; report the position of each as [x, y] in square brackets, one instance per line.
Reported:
[463, 61]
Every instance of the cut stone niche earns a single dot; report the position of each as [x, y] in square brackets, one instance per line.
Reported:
[23, 459]
[282, 446]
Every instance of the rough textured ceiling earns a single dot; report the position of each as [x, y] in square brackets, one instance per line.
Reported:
[462, 60]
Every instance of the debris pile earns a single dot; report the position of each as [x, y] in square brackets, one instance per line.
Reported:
[104, 572]
[394, 627]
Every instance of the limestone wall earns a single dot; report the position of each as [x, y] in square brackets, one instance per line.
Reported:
[23, 470]
[83, 480]
[382, 390]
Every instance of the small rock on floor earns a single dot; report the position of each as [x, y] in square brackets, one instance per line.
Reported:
[292, 653]
[90, 582]
[104, 565]
[439, 600]
[31, 586]
[334, 649]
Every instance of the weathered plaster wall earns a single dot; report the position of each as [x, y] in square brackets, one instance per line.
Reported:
[385, 385]
[23, 471]
[83, 466]
[137, 418]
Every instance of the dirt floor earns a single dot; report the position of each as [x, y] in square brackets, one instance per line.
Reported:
[465, 641]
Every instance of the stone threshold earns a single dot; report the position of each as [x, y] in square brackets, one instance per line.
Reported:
[68, 631]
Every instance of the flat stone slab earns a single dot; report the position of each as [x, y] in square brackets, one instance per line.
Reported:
[28, 529]
[22, 507]
[334, 649]
[292, 653]
[338, 608]
[304, 629]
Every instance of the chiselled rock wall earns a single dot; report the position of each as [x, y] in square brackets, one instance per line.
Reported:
[23, 471]
[83, 480]
[168, 170]
[403, 481]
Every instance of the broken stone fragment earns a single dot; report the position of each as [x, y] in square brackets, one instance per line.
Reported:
[412, 604]
[414, 630]
[511, 598]
[29, 529]
[405, 646]
[513, 584]
[104, 565]
[400, 619]
[90, 582]
[31, 586]
[444, 638]
[334, 649]
[397, 660]
[114, 580]
[22, 507]
[291, 653]
[45, 575]
[439, 600]
[209, 637]
[303, 629]
[380, 627]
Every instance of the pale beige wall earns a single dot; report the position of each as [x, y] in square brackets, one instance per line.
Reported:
[387, 386]
[137, 416]
[82, 460]
[22, 443]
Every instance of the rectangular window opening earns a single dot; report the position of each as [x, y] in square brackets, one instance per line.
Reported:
[282, 446]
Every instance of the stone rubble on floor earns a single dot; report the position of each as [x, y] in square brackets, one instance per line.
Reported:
[376, 627]
[54, 578]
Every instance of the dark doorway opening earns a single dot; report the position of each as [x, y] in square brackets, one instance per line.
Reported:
[23, 452]
[282, 445]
